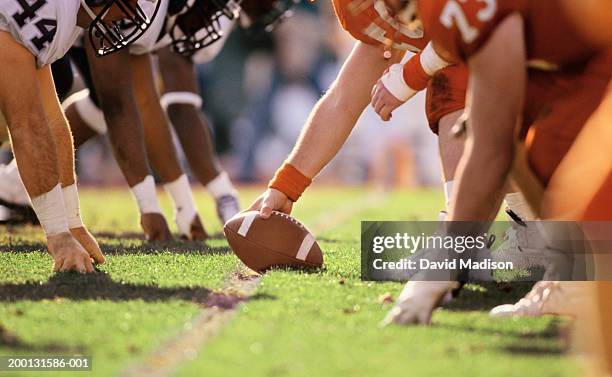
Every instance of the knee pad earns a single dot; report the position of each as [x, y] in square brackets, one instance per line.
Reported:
[180, 98]
[88, 111]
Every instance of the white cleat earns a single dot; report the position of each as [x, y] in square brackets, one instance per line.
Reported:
[546, 297]
[418, 300]
[12, 191]
[526, 247]
[227, 207]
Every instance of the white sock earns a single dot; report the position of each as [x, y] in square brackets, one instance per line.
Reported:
[517, 203]
[49, 208]
[184, 205]
[146, 196]
[221, 186]
[448, 193]
[72, 207]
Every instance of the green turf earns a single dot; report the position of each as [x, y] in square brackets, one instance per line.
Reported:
[302, 324]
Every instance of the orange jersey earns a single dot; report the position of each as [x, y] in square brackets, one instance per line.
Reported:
[369, 21]
[446, 93]
[459, 28]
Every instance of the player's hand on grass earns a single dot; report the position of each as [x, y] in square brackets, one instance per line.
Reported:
[197, 231]
[155, 227]
[418, 300]
[271, 200]
[88, 242]
[68, 254]
[383, 102]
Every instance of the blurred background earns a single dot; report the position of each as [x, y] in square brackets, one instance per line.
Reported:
[257, 95]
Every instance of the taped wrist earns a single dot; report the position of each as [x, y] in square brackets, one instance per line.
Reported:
[72, 206]
[290, 181]
[430, 61]
[396, 84]
[49, 208]
[146, 196]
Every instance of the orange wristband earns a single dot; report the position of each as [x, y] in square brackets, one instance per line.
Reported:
[414, 74]
[290, 181]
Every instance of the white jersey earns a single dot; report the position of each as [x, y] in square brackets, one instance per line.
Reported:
[47, 28]
[148, 42]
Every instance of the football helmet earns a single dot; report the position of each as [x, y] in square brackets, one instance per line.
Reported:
[262, 16]
[377, 22]
[108, 36]
[194, 24]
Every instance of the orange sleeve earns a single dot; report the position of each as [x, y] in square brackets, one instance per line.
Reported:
[459, 28]
[414, 74]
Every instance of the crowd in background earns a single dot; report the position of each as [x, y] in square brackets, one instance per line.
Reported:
[257, 96]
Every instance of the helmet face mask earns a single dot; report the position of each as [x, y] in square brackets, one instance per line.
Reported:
[108, 36]
[260, 17]
[196, 24]
[405, 11]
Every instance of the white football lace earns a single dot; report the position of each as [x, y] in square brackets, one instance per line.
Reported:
[290, 218]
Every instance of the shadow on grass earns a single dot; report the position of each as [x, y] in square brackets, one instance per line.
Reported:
[552, 331]
[119, 247]
[140, 236]
[97, 286]
[8, 339]
[494, 294]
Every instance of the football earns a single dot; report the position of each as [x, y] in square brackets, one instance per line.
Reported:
[280, 241]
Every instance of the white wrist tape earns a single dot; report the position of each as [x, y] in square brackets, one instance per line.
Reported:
[88, 111]
[72, 207]
[49, 208]
[184, 205]
[431, 61]
[180, 98]
[393, 80]
[146, 196]
[220, 186]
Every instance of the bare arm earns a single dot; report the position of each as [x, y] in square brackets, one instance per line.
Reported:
[158, 139]
[331, 121]
[495, 98]
[59, 127]
[125, 129]
[193, 133]
[336, 113]
[22, 105]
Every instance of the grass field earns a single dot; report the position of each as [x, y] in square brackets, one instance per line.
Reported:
[289, 324]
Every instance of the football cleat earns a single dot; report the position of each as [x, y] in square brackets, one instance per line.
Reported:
[227, 207]
[14, 197]
[526, 247]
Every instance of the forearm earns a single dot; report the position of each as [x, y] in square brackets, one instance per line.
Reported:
[158, 139]
[125, 129]
[335, 115]
[21, 105]
[493, 115]
[59, 128]
[479, 202]
[195, 138]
